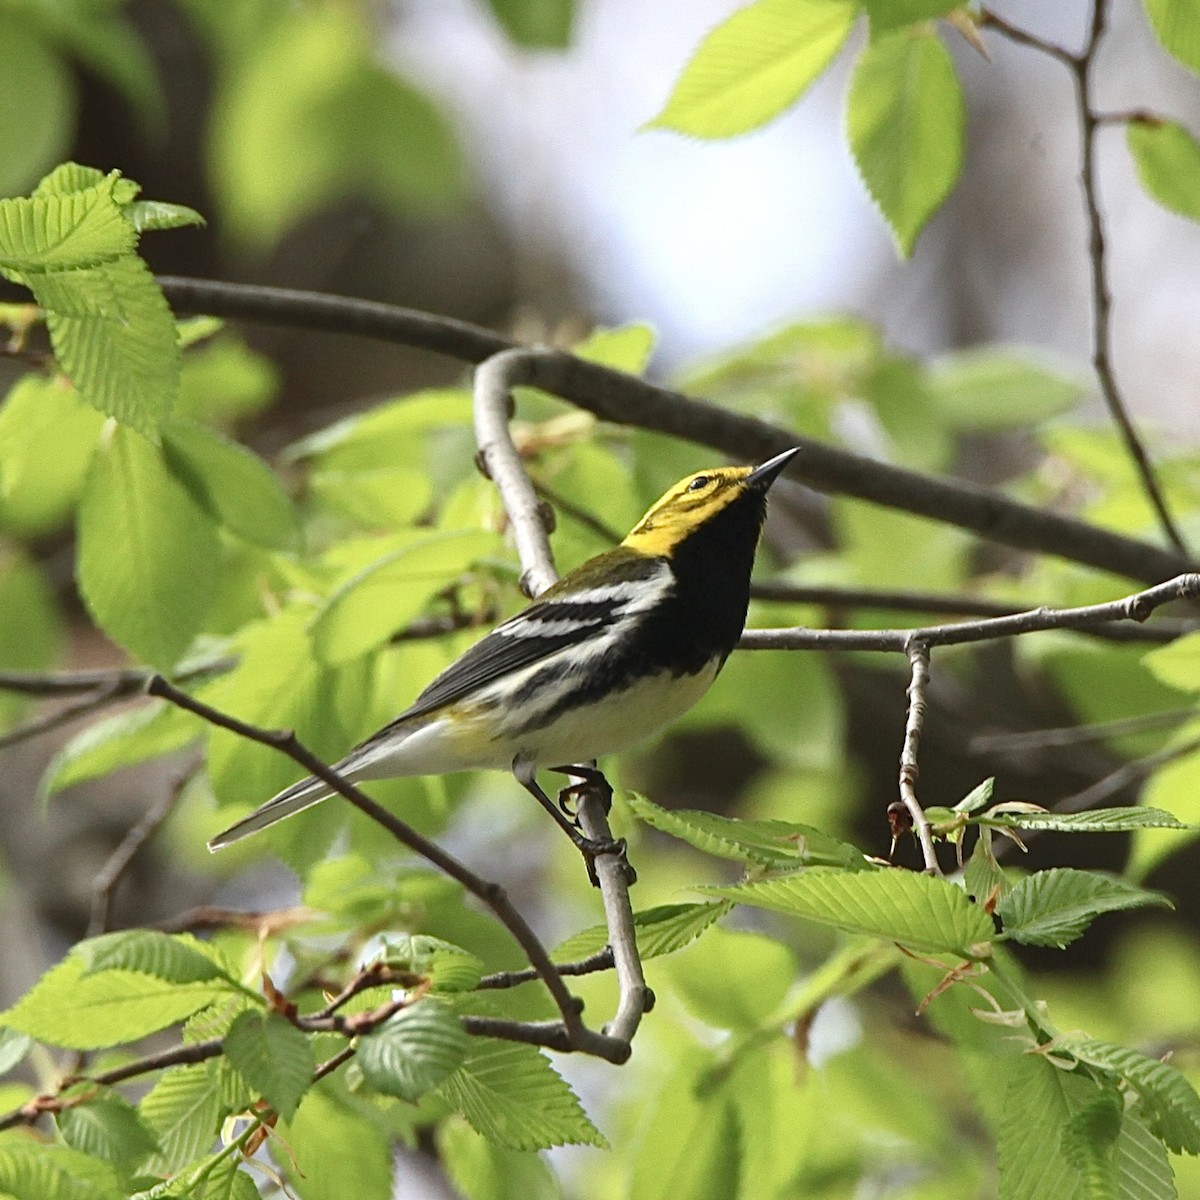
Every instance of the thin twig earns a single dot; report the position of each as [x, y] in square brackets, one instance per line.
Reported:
[1022, 740]
[84, 707]
[602, 960]
[105, 883]
[1081, 66]
[627, 400]
[918, 657]
[1136, 607]
[1125, 775]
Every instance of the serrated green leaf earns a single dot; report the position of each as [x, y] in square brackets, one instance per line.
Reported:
[69, 177]
[329, 1131]
[480, 1171]
[448, 968]
[1168, 1099]
[983, 873]
[232, 484]
[13, 1048]
[1089, 1139]
[176, 958]
[659, 930]
[183, 1110]
[107, 1127]
[992, 389]
[68, 1008]
[536, 24]
[905, 119]
[976, 798]
[1142, 1167]
[274, 1057]
[1105, 820]
[32, 1171]
[1167, 158]
[370, 607]
[1177, 24]
[413, 1052]
[1054, 907]
[766, 843]
[121, 740]
[223, 380]
[513, 1096]
[754, 65]
[47, 438]
[62, 232]
[919, 911]
[889, 15]
[147, 554]
[125, 362]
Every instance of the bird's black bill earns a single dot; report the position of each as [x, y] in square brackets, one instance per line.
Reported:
[763, 476]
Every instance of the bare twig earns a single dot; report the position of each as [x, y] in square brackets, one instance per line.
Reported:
[84, 707]
[1019, 741]
[1081, 66]
[1125, 775]
[628, 400]
[1136, 607]
[602, 960]
[105, 883]
[124, 682]
[494, 380]
[918, 657]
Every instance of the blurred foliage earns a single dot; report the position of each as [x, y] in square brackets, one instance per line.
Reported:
[320, 586]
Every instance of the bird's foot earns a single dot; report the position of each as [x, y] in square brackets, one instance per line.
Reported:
[587, 779]
[594, 848]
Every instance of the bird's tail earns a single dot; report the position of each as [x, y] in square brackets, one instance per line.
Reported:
[291, 800]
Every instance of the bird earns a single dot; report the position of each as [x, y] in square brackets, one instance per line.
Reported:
[618, 648]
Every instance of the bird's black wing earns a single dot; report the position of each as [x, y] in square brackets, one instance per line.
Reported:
[580, 607]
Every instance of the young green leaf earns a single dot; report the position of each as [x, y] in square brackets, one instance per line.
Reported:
[273, 1056]
[13, 1048]
[765, 843]
[330, 1130]
[624, 348]
[513, 1096]
[1168, 1099]
[176, 958]
[183, 1111]
[414, 1051]
[107, 1127]
[918, 911]
[660, 930]
[146, 215]
[37, 101]
[233, 485]
[30, 1170]
[70, 1008]
[905, 120]
[976, 798]
[1105, 820]
[448, 968]
[1177, 24]
[1167, 158]
[147, 554]
[31, 628]
[994, 389]
[889, 15]
[480, 1171]
[1054, 907]
[755, 65]
[1089, 1139]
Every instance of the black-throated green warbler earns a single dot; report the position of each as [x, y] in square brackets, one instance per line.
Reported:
[620, 647]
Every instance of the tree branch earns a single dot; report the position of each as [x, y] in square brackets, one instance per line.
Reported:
[918, 657]
[627, 400]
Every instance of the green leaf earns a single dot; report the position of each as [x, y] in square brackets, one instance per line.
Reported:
[107, 1127]
[125, 362]
[232, 485]
[146, 215]
[537, 24]
[183, 1110]
[977, 797]
[176, 958]
[147, 554]
[983, 874]
[273, 1056]
[890, 15]
[47, 438]
[659, 930]
[61, 232]
[13, 1048]
[1054, 907]
[31, 628]
[70, 177]
[1167, 158]
[905, 119]
[448, 968]
[414, 1051]
[337, 1143]
[386, 596]
[991, 389]
[754, 65]
[70, 1008]
[1168, 1099]
[1089, 1139]
[480, 1171]
[765, 843]
[32, 1171]
[222, 380]
[919, 911]
[1177, 26]
[37, 103]
[1106, 820]
[513, 1096]
[624, 348]
[121, 740]
[1177, 664]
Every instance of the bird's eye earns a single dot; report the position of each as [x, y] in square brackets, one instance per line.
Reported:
[701, 481]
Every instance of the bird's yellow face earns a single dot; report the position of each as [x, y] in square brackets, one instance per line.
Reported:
[691, 502]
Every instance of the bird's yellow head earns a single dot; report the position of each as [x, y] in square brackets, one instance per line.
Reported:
[693, 502]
